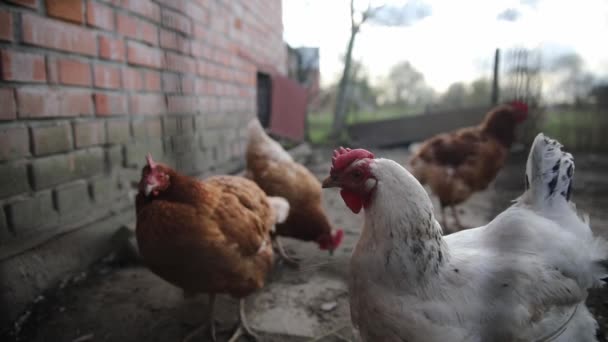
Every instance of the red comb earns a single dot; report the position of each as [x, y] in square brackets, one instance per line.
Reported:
[151, 162]
[345, 156]
[520, 106]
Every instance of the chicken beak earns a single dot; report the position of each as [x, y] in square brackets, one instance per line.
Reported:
[330, 182]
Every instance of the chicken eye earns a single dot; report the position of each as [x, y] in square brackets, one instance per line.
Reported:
[357, 174]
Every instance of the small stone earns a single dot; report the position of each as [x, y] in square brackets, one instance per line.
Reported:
[329, 306]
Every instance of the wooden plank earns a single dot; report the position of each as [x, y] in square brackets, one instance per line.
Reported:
[413, 128]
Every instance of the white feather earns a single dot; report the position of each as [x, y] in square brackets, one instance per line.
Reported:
[522, 277]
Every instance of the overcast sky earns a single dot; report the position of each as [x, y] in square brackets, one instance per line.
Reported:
[456, 40]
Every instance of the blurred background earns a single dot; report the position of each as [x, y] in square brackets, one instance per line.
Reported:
[88, 87]
[391, 59]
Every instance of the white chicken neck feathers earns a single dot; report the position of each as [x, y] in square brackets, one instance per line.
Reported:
[522, 277]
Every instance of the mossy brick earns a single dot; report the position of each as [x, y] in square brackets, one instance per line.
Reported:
[154, 128]
[104, 188]
[14, 142]
[169, 126]
[135, 153]
[5, 233]
[215, 120]
[192, 163]
[138, 129]
[53, 170]
[230, 135]
[89, 133]
[14, 178]
[28, 214]
[183, 143]
[89, 162]
[72, 197]
[114, 156]
[118, 131]
[186, 125]
[199, 123]
[211, 138]
[51, 138]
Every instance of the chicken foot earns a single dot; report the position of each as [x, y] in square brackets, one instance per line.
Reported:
[290, 261]
[208, 325]
[243, 328]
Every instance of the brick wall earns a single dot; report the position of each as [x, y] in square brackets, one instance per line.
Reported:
[87, 87]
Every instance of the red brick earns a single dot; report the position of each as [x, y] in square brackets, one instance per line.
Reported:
[187, 85]
[100, 16]
[138, 29]
[6, 25]
[57, 35]
[171, 83]
[152, 80]
[107, 76]
[22, 67]
[178, 5]
[195, 12]
[145, 8]
[199, 31]
[147, 104]
[70, 10]
[14, 142]
[69, 71]
[8, 111]
[53, 102]
[132, 79]
[181, 63]
[176, 21]
[171, 40]
[111, 48]
[27, 3]
[140, 54]
[110, 104]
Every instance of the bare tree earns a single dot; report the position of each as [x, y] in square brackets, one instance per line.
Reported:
[380, 15]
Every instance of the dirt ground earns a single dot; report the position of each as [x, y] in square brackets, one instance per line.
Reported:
[122, 302]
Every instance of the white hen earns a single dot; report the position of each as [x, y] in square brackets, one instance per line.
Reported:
[522, 277]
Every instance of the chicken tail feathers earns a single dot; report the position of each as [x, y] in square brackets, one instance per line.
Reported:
[265, 146]
[280, 207]
[549, 170]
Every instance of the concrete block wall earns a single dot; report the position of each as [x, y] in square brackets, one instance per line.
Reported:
[87, 88]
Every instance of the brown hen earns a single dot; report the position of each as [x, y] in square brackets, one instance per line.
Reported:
[209, 236]
[275, 171]
[457, 164]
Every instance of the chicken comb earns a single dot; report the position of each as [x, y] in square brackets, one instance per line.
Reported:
[520, 106]
[345, 156]
[151, 163]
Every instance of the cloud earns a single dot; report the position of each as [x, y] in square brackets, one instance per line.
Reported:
[510, 14]
[530, 3]
[403, 15]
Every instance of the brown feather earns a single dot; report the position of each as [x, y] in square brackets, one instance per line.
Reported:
[209, 236]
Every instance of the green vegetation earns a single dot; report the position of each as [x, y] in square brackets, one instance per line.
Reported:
[319, 124]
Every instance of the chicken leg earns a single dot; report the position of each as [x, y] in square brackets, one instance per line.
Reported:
[456, 219]
[243, 328]
[209, 324]
[290, 261]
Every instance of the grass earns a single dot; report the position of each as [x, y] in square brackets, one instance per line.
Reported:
[319, 124]
[581, 130]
